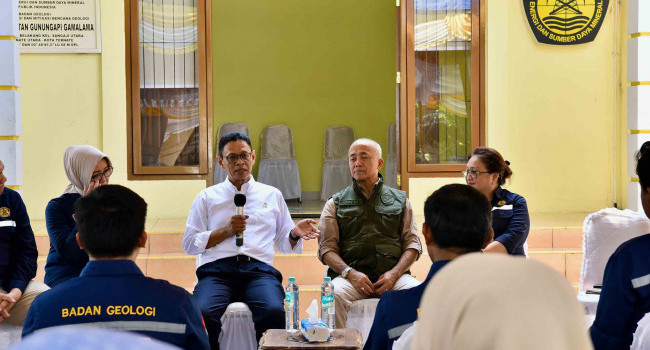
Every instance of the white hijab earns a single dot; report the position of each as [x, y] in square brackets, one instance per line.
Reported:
[499, 302]
[79, 163]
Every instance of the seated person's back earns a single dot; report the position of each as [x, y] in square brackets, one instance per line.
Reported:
[625, 298]
[111, 291]
[457, 220]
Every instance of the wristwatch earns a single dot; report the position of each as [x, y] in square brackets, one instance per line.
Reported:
[291, 237]
[345, 272]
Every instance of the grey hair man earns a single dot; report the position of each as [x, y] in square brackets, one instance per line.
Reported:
[368, 233]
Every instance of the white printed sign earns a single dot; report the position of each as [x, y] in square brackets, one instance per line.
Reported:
[59, 26]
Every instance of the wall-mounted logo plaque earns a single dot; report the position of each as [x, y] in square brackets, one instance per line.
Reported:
[560, 22]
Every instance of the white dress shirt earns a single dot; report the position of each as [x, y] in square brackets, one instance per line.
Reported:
[269, 223]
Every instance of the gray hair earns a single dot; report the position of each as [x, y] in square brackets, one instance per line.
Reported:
[368, 142]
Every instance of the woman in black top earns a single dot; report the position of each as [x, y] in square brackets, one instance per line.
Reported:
[87, 168]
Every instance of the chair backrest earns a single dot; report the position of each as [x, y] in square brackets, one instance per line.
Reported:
[277, 142]
[227, 128]
[392, 141]
[603, 232]
[337, 142]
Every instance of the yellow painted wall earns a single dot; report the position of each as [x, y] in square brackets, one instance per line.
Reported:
[81, 99]
[308, 64]
[550, 112]
[58, 109]
[550, 109]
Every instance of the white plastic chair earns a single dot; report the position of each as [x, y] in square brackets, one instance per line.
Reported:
[9, 334]
[278, 166]
[642, 335]
[336, 171]
[360, 316]
[237, 328]
[603, 232]
[226, 128]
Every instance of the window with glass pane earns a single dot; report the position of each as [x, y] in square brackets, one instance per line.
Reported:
[442, 64]
[169, 130]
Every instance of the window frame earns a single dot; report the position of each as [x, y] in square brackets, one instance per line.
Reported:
[408, 168]
[136, 171]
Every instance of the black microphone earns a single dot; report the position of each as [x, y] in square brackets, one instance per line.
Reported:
[240, 200]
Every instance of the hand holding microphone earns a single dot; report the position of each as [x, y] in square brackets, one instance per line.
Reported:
[240, 201]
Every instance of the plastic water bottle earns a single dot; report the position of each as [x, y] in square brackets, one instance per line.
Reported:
[327, 309]
[291, 307]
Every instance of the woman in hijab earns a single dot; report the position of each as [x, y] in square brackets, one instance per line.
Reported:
[86, 168]
[494, 301]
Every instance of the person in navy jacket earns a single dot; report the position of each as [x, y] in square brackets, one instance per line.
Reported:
[457, 221]
[625, 296]
[487, 171]
[17, 257]
[111, 291]
[86, 168]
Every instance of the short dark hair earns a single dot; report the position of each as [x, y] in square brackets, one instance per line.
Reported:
[110, 220]
[643, 165]
[459, 216]
[232, 136]
[494, 162]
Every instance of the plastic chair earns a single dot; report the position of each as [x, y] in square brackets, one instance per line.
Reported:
[220, 174]
[360, 316]
[603, 232]
[390, 163]
[278, 166]
[336, 171]
[9, 334]
[237, 328]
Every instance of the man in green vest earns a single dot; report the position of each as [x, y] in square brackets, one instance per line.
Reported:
[368, 234]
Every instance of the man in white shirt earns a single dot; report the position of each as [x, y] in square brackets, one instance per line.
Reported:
[228, 273]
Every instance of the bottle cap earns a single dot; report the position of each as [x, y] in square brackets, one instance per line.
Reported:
[292, 279]
[327, 279]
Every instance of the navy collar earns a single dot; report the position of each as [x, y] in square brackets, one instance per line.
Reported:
[435, 268]
[110, 267]
[498, 195]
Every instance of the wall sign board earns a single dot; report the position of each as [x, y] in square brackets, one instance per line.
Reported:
[59, 26]
[565, 22]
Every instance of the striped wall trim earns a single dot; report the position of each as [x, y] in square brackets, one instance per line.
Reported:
[641, 281]
[8, 87]
[14, 187]
[137, 326]
[8, 37]
[166, 257]
[636, 35]
[635, 132]
[559, 251]
[637, 83]
[165, 232]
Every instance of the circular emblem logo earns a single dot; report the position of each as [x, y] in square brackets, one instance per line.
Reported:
[4, 212]
[565, 22]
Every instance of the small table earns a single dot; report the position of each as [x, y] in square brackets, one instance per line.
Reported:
[342, 339]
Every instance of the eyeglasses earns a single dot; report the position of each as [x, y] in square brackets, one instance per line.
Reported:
[473, 173]
[232, 158]
[106, 173]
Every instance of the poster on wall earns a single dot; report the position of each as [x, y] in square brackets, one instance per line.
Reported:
[565, 22]
[59, 26]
